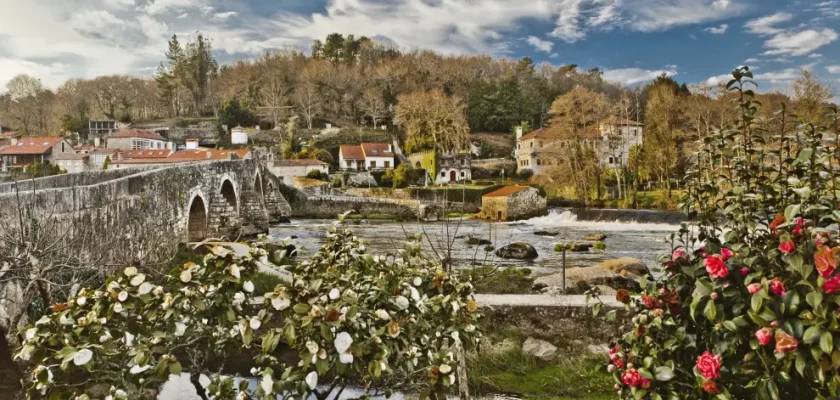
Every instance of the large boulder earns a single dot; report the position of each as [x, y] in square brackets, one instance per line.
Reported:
[540, 349]
[547, 233]
[579, 280]
[518, 251]
[580, 247]
[629, 264]
[595, 237]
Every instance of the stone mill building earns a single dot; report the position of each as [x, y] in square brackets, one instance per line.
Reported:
[512, 203]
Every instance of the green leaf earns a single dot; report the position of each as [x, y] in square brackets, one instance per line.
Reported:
[301, 308]
[827, 342]
[710, 311]
[644, 373]
[800, 364]
[175, 368]
[730, 325]
[664, 374]
[791, 212]
[812, 334]
[814, 299]
[596, 309]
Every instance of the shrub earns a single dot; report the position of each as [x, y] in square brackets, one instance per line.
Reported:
[404, 175]
[346, 313]
[748, 306]
[599, 245]
[314, 174]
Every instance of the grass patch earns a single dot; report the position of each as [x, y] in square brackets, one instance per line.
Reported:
[511, 280]
[500, 366]
[376, 216]
[264, 283]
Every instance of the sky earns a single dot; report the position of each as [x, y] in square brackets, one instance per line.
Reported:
[632, 41]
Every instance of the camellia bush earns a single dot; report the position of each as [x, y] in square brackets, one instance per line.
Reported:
[749, 302]
[344, 315]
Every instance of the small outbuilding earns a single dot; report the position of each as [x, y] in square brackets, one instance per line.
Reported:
[512, 203]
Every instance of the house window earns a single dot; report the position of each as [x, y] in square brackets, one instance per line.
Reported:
[541, 143]
[373, 164]
[387, 164]
[611, 160]
[539, 162]
[463, 162]
[443, 174]
[519, 145]
[532, 144]
[463, 174]
[349, 164]
[62, 147]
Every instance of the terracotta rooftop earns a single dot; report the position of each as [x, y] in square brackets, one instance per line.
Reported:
[352, 152]
[298, 163]
[506, 191]
[138, 133]
[144, 153]
[376, 150]
[102, 150]
[32, 145]
[202, 154]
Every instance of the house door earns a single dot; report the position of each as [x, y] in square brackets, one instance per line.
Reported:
[499, 215]
[452, 176]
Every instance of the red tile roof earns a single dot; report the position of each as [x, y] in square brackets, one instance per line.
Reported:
[202, 154]
[32, 145]
[298, 163]
[506, 191]
[352, 152]
[377, 150]
[101, 150]
[144, 153]
[138, 133]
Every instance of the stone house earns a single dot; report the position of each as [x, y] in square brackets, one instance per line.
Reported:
[290, 169]
[26, 151]
[444, 167]
[367, 156]
[74, 162]
[137, 139]
[512, 203]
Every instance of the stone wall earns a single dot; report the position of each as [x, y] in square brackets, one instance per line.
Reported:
[526, 204]
[69, 180]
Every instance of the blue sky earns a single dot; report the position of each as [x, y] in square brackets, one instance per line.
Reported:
[696, 41]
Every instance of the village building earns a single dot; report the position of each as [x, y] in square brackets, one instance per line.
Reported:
[98, 157]
[290, 169]
[104, 128]
[74, 162]
[239, 135]
[611, 140]
[23, 152]
[137, 139]
[443, 168]
[512, 203]
[367, 156]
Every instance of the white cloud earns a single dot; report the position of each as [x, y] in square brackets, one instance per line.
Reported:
[567, 25]
[554, 55]
[799, 43]
[544, 46]
[815, 55]
[224, 16]
[716, 80]
[720, 4]
[784, 75]
[163, 6]
[659, 15]
[632, 76]
[834, 69]
[717, 30]
[751, 60]
[119, 4]
[183, 15]
[766, 25]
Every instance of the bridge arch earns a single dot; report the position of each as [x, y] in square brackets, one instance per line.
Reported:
[197, 218]
[228, 192]
[258, 183]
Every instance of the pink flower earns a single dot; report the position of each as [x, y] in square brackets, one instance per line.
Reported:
[678, 254]
[778, 287]
[745, 271]
[787, 247]
[716, 267]
[726, 254]
[764, 336]
[753, 288]
[832, 285]
[800, 225]
[631, 378]
[708, 365]
[785, 343]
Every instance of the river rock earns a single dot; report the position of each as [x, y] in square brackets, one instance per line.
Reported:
[518, 251]
[540, 349]
[629, 264]
[547, 233]
[473, 241]
[580, 247]
[579, 280]
[595, 237]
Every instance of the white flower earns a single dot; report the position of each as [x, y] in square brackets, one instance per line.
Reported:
[255, 323]
[138, 369]
[281, 301]
[129, 339]
[342, 342]
[121, 393]
[469, 328]
[334, 294]
[455, 307]
[118, 308]
[451, 379]
[417, 281]
[312, 380]
[145, 288]
[238, 298]
[82, 357]
[234, 271]
[345, 358]
[248, 287]
[415, 295]
[312, 347]
[455, 335]
[30, 333]
[186, 276]
[113, 286]
[81, 301]
[123, 296]
[130, 271]
[137, 280]
[267, 384]
[445, 369]
[402, 302]
[383, 315]
[180, 328]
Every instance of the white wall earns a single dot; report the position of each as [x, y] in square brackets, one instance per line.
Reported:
[379, 162]
[288, 173]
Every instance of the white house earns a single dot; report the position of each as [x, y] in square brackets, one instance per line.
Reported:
[367, 156]
[137, 139]
[290, 169]
[239, 135]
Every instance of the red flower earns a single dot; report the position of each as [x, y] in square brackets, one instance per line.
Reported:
[753, 288]
[645, 383]
[780, 219]
[640, 330]
[800, 225]
[785, 343]
[787, 247]
[631, 378]
[726, 254]
[716, 267]
[826, 260]
[778, 287]
[710, 387]
[745, 271]
[650, 302]
[701, 252]
[615, 349]
[764, 336]
[708, 365]
[832, 285]
[678, 254]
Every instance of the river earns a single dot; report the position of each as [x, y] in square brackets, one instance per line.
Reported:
[637, 234]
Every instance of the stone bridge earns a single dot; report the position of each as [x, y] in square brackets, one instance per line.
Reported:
[187, 202]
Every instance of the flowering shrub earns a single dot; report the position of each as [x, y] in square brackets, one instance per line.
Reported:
[346, 313]
[748, 305]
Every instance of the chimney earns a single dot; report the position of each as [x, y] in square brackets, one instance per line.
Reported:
[192, 144]
[518, 132]
[97, 142]
[14, 141]
[389, 147]
[256, 128]
[209, 154]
